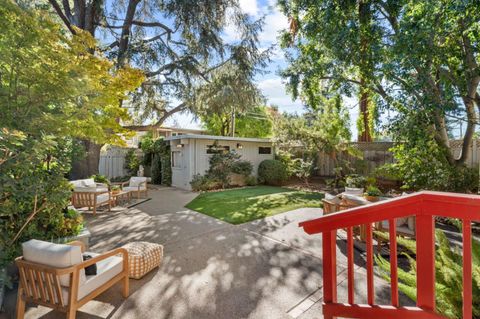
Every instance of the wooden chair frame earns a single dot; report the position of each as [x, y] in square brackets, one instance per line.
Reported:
[89, 199]
[48, 291]
[138, 191]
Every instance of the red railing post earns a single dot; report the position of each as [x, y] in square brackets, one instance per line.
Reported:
[467, 269]
[329, 247]
[425, 233]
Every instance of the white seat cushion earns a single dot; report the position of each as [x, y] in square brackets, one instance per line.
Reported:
[54, 255]
[90, 189]
[355, 199]
[403, 229]
[136, 181]
[133, 189]
[353, 191]
[332, 198]
[103, 198]
[106, 270]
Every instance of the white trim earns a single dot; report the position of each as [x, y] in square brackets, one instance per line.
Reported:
[219, 138]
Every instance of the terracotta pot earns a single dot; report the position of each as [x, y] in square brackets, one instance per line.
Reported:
[372, 198]
[116, 191]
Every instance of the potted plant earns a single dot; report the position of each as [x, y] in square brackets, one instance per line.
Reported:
[372, 193]
[354, 184]
[116, 189]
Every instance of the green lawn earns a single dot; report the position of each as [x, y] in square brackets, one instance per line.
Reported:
[239, 206]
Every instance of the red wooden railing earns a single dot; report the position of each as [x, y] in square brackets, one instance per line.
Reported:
[424, 206]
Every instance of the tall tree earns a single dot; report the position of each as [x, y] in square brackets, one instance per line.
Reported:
[178, 44]
[424, 62]
[323, 129]
[254, 123]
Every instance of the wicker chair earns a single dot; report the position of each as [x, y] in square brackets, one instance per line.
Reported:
[65, 286]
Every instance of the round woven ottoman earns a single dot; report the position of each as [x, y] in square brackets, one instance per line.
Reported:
[143, 257]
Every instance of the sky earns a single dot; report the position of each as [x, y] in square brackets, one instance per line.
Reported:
[271, 84]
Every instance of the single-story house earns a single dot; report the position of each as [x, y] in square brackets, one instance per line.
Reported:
[191, 153]
[164, 131]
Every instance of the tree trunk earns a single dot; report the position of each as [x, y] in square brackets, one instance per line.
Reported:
[364, 15]
[364, 135]
[88, 165]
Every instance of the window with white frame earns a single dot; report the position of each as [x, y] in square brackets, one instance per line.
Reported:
[176, 159]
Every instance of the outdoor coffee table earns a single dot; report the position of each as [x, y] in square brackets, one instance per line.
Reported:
[121, 195]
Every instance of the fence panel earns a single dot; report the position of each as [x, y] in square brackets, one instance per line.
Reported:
[112, 162]
[376, 154]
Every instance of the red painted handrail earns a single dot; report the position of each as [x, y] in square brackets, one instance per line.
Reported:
[424, 206]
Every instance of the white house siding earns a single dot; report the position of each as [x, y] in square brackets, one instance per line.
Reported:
[196, 160]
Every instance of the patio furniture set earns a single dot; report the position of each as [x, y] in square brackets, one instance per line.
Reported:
[88, 193]
[352, 198]
[64, 277]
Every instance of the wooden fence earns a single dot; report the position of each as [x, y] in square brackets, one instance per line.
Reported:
[112, 161]
[376, 154]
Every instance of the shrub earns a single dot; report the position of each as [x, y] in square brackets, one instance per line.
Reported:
[221, 166]
[33, 191]
[287, 159]
[424, 166]
[100, 179]
[204, 183]
[303, 169]
[132, 162]
[355, 180]
[251, 180]
[161, 162]
[373, 191]
[272, 172]
[147, 145]
[244, 168]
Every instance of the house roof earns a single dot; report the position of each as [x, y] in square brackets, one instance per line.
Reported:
[219, 138]
[141, 128]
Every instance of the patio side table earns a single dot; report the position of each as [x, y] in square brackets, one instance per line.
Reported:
[121, 195]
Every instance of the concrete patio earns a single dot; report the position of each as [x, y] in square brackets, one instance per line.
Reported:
[263, 269]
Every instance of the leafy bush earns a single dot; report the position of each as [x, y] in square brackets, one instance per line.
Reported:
[33, 191]
[100, 179]
[201, 183]
[119, 179]
[132, 162]
[355, 180]
[251, 180]
[288, 161]
[448, 275]
[272, 172]
[424, 167]
[303, 169]
[221, 166]
[69, 223]
[161, 162]
[147, 145]
[244, 168]
[373, 191]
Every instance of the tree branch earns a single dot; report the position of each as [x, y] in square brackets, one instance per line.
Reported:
[176, 109]
[59, 11]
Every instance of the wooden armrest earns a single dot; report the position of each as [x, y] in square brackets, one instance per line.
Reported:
[96, 259]
[77, 243]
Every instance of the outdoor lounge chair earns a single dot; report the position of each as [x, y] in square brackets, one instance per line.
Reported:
[136, 185]
[92, 199]
[88, 185]
[53, 275]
